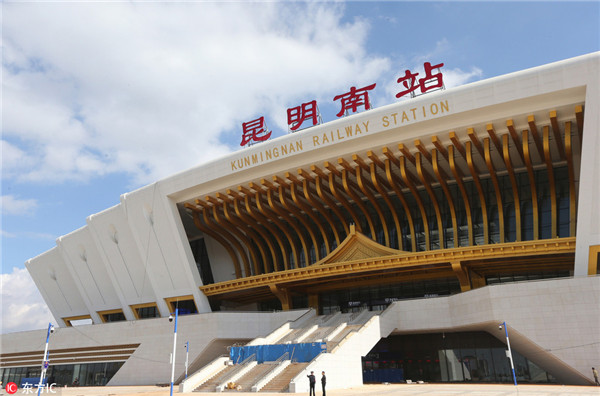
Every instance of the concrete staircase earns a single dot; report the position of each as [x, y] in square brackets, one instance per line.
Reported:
[281, 383]
[348, 337]
[210, 385]
[251, 377]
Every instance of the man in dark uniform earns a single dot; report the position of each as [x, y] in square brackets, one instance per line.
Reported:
[323, 381]
[311, 382]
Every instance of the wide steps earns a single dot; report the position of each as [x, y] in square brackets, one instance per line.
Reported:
[281, 382]
[339, 337]
[251, 377]
[291, 336]
[211, 384]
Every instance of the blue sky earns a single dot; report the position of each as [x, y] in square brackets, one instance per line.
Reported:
[102, 98]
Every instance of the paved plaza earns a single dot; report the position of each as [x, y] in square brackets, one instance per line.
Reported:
[366, 390]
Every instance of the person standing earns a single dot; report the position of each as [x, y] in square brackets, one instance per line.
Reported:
[311, 382]
[595, 372]
[323, 381]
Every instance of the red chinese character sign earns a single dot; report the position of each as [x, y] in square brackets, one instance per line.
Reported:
[429, 82]
[356, 97]
[305, 112]
[255, 131]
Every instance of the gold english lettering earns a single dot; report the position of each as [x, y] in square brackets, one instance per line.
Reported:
[404, 116]
[284, 150]
[246, 161]
[385, 121]
[366, 125]
[325, 138]
[233, 167]
[357, 129]
[340, 137]
[444, 105]
[315, 140]
[299, 145]
[268, 154]
[413, 111]
[275, 152]
[254, 159]
[349, 131]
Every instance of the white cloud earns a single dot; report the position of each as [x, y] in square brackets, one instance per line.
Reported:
[22, 308]
[154, 88]
[14, 206]
[451, 77]
[7, 234]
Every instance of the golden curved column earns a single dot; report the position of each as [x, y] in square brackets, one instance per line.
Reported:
[436, 206]
[395, 183]
[379, 185]
[571, 169]
[248, 256]
[291, 208]
[492, 133]
[442, 180]
[222, 241]
[322, 193]
[536, 136]
[335, 189]
[308, 194]
[482, 203]
[350, 187]
[557, 137]
[244, 233]
[463, 191]
[277, 209]
[531, 175]
[267, 213]
[258, 217]
[513, 182]
[297, 198]
[406, 178]
[490, 166]
[515, 137]
[550, 168]
[247, 219]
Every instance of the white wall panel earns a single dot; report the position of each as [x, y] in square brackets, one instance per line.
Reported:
[89, 272]
[112, 234]
[150, 216]
[54, 281]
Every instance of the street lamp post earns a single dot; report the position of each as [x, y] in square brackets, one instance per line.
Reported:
[45, 360]
[174, 346]
[187, 350]
[509, 353]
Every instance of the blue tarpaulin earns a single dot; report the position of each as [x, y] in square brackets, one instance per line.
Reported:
[302, 353]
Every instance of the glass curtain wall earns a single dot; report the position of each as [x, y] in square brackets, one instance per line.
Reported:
[447, 357]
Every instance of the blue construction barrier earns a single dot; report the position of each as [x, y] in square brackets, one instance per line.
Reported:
[301, 353]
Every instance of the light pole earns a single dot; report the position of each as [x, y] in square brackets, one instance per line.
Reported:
[509, 353]
[174, 346]
[45, 360]
[187, 350]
